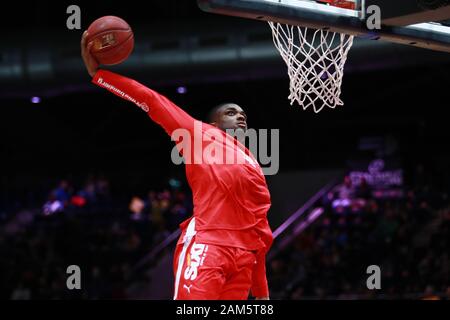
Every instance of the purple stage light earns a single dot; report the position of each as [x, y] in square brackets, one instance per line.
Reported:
[181, 90]
[35, 99]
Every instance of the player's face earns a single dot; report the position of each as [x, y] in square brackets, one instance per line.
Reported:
[231, 116]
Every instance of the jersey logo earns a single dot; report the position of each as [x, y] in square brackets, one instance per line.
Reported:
[195, 259]
[188, 288]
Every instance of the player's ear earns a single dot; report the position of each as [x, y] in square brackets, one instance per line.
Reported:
[214, 124]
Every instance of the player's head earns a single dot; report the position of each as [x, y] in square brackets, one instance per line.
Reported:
[228, 116]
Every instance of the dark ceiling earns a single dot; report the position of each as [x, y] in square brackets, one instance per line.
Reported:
[388, 91]
[52, 14]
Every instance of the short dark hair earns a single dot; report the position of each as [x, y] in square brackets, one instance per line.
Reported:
[212, 113]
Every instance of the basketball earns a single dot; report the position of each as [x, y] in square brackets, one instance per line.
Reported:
[113, 40]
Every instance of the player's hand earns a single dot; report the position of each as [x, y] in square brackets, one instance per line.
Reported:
[89, 61]
[262, 298]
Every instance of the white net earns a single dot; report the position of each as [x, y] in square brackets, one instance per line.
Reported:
[315, 61]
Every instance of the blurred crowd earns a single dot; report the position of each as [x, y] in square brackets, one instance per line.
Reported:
[404, 233]
[85, 227]
[406, 236]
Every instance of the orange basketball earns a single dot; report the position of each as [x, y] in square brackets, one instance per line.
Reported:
[113, 40]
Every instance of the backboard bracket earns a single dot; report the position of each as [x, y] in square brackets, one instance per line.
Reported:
[315, 15]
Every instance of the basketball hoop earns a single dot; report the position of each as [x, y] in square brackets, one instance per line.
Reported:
[315, 59]
[316, 52]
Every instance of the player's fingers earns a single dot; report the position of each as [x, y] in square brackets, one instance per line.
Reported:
[83, 39]
[89, 46]
[83, 46]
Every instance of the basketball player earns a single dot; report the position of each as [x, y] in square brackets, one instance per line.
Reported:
[221, 252]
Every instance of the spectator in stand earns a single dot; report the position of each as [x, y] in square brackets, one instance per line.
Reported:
[63, 192]
[363, 190]
[343, 195]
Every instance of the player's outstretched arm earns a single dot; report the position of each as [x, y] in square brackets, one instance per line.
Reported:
[160, 109]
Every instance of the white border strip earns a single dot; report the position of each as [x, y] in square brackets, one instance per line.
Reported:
[434, 27]
[322, 8]
[187, 242]
[311, 5]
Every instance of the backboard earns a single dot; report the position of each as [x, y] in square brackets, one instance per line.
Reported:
[314, 36]
[418, 23]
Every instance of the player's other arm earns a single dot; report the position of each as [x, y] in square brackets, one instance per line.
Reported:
[260, 288]
[159, 108]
